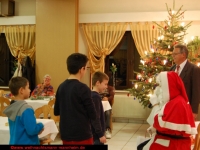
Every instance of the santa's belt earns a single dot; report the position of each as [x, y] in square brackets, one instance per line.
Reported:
[171, 136]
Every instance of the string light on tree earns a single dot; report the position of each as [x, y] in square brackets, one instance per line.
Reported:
[164, 62]
[182, 24]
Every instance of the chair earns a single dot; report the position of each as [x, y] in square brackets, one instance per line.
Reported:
[197, 139]
[1, 93]
[55, 118]
[3, 115]
[3, 103]
[45, 111]
[52, 102]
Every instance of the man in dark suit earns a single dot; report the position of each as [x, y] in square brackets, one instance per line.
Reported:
[190, 75]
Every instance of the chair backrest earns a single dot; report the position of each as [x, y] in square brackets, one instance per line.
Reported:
[43, 110]
[3, 103]
[52, 102]
[1, 93]
[3, 115]
[55, 118]
[197, 139]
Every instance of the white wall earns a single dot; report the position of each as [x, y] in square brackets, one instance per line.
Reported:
[25, 7]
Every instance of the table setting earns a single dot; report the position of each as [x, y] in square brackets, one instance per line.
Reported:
[50, 130]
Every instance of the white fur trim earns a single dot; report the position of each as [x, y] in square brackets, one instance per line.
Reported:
[173, 126]
[163, 142]
[165, 87]
[155, 110]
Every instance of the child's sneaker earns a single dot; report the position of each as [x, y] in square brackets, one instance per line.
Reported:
[108, 134]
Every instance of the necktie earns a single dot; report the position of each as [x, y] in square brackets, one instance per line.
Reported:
[177, 69]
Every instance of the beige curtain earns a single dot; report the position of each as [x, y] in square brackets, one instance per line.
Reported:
[1, 29]
[144, 35]
[21, 41]
[101, 39]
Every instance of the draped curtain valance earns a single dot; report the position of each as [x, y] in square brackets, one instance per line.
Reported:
[101, 39]
[21, 40]
[144, 35]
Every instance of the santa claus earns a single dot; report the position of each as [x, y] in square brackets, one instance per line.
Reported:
[171, 116]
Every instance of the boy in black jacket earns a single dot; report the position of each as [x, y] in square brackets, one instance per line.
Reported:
[74, 104]
[99, 83]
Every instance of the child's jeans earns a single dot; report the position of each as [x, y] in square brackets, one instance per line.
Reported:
[107, 119]
[97, 142]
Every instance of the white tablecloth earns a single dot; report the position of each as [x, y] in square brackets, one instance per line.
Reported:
[106, 105]
[4, 131]
[49, 128]
[37, 103]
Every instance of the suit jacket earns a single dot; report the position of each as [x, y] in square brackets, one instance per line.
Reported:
[190, 76]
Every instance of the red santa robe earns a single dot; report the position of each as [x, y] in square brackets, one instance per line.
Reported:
[174, 122]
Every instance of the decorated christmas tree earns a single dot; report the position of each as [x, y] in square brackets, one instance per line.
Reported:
[194, 50]
[172, 31]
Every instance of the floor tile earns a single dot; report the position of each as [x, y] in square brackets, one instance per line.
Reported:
[124, 136]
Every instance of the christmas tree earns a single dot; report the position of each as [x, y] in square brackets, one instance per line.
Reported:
[194, 50]
[172, 31]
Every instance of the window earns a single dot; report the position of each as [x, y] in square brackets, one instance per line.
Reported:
[7, 62]
[126, 57]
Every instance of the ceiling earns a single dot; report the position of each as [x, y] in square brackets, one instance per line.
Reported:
[125, 6]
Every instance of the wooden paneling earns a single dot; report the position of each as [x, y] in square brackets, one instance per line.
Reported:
[56, 38]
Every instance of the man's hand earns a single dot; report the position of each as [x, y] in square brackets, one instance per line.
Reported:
[43, 94]
[102, 139]
[151, 130]
[105, 99]
[195, 116]
[41, 131]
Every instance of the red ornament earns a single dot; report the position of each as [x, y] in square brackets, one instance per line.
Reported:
[165, 27]
[128, 94]
[153, 26]
[146, 62]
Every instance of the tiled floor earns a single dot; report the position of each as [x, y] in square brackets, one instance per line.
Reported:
[123, 136]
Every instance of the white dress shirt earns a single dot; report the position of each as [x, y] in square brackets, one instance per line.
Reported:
[181, 67]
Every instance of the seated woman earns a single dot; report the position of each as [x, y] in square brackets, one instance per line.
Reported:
[44, 89]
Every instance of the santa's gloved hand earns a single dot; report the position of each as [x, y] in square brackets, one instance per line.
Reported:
[151, 130]
[154, 100]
